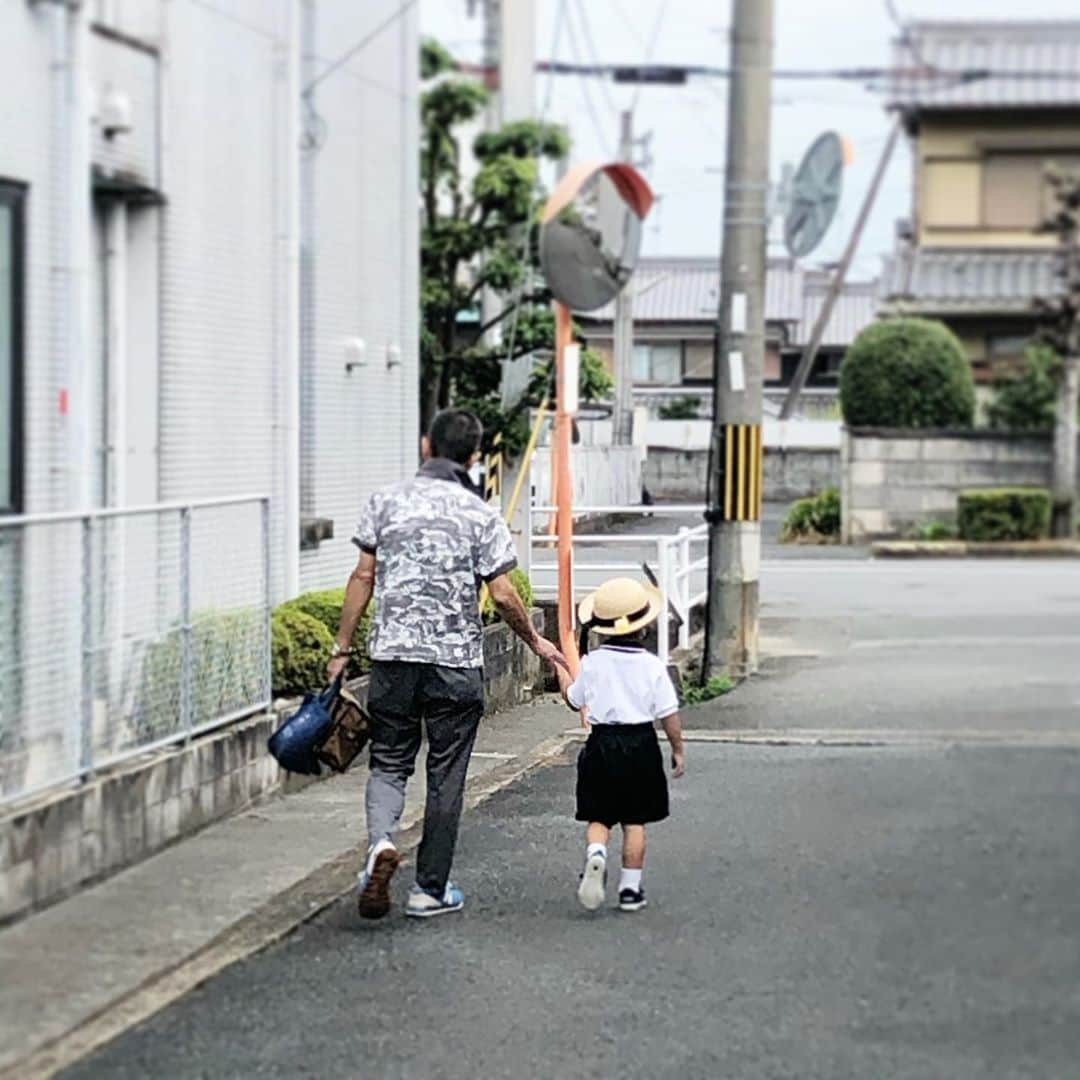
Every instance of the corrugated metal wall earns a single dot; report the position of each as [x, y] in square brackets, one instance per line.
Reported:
[363, 430]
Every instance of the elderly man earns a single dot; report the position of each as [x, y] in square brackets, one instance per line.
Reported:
[425, 547]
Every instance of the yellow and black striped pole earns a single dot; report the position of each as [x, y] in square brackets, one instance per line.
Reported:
[493, 465]
[743, 472]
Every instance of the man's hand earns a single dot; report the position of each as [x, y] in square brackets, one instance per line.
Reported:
[678, 763]
[335, 667]
[548, 652]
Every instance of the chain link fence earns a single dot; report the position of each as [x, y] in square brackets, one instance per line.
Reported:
[126, 630]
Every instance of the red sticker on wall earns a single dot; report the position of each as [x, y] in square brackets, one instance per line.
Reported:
[63, 403]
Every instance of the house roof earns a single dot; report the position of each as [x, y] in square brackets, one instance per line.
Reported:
[855, 308]
[1026, 65]
[967, 280]
[686, 290]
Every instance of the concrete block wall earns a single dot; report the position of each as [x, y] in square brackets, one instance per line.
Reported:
[73, 836]
[790, 472]
[894, 481]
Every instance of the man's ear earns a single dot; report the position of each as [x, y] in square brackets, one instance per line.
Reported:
[425, 448]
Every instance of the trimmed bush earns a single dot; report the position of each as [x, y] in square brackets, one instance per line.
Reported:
[1024, 401]
[812, 518]
[907, 373]
[325, 605]
[301, 648]
[1004, 514]
[520, 580]
[681, 408]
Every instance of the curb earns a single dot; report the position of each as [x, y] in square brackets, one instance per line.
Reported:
[961, 549]
[265, 926]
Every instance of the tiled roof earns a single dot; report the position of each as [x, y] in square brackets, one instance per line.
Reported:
[687, 290]
[855, 308]
[1037, 64]
[966, 280]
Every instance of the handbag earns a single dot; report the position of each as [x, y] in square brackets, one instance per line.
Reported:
[294, 743]
[349, 733]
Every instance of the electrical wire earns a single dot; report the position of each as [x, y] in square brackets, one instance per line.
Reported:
[650, 49]
[590, 47]
[362, 44]
[590, 105]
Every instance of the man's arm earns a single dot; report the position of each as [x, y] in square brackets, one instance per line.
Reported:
[357, 597]
[510, 607]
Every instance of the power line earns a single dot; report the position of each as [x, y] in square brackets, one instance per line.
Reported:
[359, 46]
[590, 46]
[590, 105]
[650, 48]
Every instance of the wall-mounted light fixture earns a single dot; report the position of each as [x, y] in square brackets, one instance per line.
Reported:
[115, 112]
[393, 356]
[355, 353]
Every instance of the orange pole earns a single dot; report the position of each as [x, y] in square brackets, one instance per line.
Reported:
[564, 490]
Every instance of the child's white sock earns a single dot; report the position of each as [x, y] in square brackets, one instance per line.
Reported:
[630, 879]
[596, 849]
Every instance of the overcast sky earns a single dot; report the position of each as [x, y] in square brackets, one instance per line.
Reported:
[688, 122]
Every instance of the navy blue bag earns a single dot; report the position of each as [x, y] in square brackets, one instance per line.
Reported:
[293, 745]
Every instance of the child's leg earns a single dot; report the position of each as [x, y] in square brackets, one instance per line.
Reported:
[597, 833]
[633, 847]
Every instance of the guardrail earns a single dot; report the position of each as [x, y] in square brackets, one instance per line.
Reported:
[674, 565]
[125, 630]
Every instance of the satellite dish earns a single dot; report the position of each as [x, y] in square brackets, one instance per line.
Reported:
[591, 234]
[815, 194]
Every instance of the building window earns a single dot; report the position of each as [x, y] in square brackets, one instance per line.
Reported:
[1015, 192]
[12, 198]
[1006, 348]
[659, 364]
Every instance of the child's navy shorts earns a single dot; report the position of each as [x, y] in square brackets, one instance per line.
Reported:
[620, 776]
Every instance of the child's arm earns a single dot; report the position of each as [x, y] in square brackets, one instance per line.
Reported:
[672, 726]
[566, 680]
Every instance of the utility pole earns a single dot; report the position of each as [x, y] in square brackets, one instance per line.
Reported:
[623, 416]
[735, 480]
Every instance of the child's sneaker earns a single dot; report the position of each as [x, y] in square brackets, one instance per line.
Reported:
[631, 900]
[373, 884]
[422, 905]
[593, 882]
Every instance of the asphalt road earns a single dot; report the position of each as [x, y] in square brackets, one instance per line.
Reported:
[814, 913]
[905, 910]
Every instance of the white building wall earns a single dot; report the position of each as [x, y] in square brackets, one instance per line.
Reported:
[363, 425]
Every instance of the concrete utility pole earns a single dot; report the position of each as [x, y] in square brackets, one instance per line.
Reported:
[735, 481]
[623, 416]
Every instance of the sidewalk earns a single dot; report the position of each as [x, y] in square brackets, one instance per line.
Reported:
[92, 965]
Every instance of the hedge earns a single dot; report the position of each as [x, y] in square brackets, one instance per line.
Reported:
[907, 373]
[1004, 514]
[520, 580]
[325, 606]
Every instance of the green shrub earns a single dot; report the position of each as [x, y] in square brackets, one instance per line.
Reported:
[817, 516]
[716, 687]
[228, 668]
[681, 408]
[325, 605]
[520, 580]
[1024, 400]
[907, 373]
[934, 530]
[301, 649]
[1004, 514]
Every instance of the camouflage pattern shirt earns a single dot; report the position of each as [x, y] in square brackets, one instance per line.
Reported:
[434, 540]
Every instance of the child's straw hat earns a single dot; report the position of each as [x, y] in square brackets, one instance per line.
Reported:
[620, 606]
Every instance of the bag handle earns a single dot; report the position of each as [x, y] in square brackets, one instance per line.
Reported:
[332, 691]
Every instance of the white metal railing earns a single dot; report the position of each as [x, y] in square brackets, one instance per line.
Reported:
[674, 559]
[127, 629]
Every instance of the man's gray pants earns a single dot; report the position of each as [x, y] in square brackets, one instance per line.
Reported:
[451, 702]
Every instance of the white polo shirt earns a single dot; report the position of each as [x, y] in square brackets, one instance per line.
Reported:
[621, 685]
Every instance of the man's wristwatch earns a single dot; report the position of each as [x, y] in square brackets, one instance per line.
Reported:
[337, 651]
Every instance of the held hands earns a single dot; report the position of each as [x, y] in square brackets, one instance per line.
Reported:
[678, 763]
[550, 654]
[335, 667]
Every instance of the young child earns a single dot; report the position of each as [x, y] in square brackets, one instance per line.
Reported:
[624, 690]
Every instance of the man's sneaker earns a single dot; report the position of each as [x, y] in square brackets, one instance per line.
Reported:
[631, 900]
[593, 882]
[422, 905]
[373, 884]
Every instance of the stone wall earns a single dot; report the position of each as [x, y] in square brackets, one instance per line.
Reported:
[790, 473]
[894, 481]
[68, 838]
